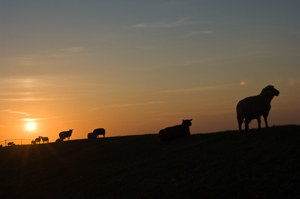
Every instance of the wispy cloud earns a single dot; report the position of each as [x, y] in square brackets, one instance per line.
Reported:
[181, 22]
[16, 112]
[74, 49]
[126, 105]
[203, 32]
[32, 99]
[195, 89]
[33, 119]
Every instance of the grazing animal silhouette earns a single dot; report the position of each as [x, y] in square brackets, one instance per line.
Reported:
[45, 139]
[255, 106]
[38, 139]
[174, 132]
[59, 140]
[10, 144]
[65, 134]
[92, 136]
[33, 142]
[99, 131]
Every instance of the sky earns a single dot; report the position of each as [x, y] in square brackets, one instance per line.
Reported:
[135, 67]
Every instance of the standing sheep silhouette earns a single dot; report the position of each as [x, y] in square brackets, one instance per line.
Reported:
[65, 134]
[255, 106]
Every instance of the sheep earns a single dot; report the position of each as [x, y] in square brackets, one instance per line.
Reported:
[59, 140]
[10, 144]
[99, 131]
[45, 139]
[33, 142]
[92, 136]
[174, 132]
[38, 139]
[255, 106]
[65, 134]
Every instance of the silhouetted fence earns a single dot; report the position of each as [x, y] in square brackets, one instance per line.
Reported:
[16, 142]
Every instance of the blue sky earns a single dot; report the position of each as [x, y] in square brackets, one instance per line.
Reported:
[143, 65]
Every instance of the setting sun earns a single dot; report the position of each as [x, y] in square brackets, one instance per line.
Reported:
[30, 126]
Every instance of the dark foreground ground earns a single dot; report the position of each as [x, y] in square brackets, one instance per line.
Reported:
[257, 164]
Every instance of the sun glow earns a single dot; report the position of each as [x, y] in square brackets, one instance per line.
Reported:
[30, 126]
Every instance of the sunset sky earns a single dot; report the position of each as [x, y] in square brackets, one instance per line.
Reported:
[135, 67]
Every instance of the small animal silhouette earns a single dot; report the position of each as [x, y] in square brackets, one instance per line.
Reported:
[99, 131]
[65, 134]
[92, 136]
[10, 144]
[174, 132]
[38, 140]
[45, 139]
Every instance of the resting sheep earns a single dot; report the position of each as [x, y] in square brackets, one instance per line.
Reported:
[99, 131]
[174, 132]
[255, 106]
[45, 139]
[92, 136]
[59, 140]
[33, 142]
[65, 134]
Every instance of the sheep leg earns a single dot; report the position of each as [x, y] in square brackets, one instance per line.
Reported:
[258, 121]
[240, 126]
[266, 122]
[240, 122]
[247, 121]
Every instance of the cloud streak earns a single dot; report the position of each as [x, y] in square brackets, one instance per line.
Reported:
[33, 119]
[126, 105]
[181, 22]
[32, 99]
[195, 89]
[204, 32]
[15, 112]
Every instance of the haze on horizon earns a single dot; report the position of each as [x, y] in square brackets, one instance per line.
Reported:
[135, 67]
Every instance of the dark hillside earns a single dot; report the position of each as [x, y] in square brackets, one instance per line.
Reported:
[257, 164]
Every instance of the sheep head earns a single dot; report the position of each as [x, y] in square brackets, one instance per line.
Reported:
[187, 122]
[270, 91]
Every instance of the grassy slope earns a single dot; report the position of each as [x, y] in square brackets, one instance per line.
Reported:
[262, 164]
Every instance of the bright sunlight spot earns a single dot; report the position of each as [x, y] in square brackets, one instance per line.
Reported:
[30, 126]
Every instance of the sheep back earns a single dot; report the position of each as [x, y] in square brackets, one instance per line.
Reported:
[99, 131]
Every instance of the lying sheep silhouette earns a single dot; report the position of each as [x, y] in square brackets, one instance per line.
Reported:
[255, 106]
[99, 131]
[65, 134]
[92, 136]
[33, 142]
[174, 132]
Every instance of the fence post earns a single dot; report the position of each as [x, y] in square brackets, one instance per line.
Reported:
[21, 141]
